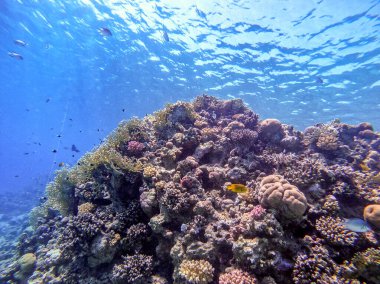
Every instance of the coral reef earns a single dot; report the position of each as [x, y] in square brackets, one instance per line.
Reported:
[152, 204]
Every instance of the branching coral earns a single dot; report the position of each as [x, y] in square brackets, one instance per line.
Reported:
[334, 231]
[314, 264]
[134, 269]
[196, 271]
[365, 264]
[237, 276]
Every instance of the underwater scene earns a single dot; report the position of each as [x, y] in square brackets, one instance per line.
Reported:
[190, 142]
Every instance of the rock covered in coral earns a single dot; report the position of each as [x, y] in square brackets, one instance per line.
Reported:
[150, 204]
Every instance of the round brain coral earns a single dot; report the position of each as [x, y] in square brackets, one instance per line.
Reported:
[372, 215]
[196, 271]
[276, 192]
[237, 276]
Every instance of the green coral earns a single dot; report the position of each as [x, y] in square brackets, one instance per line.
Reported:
[165, 120]
[367, 264]
[60, 192]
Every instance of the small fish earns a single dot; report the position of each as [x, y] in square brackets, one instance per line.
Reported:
[54, 151]
[47, 100]
[15, 55]
[356, 225]
[74, 148]
[123, 109]
[61, 164]
[165, 34]
[105, 32]
[364, 167]
[20, 42]
[237, 188]
[59, 135]
[319, 80]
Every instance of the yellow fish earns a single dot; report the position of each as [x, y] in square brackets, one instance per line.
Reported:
[364, 167]
[237, 188]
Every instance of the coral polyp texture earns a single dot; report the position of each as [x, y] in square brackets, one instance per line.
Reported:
[153, 204]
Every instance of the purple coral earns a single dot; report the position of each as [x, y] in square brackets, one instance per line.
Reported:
[135, 148]
[257, 212]
[244, 136]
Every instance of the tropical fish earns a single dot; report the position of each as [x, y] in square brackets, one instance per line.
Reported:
[237, 188]
[20, 42]
[15, 55]
[74, 148]
[356, 225]
[105, 32]
[61, 164]
[364, 167]
[319, 80]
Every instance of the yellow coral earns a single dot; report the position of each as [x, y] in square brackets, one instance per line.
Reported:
[196, 271]
[86, 208]
[149, 171]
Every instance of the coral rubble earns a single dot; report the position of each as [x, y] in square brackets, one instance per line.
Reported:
[151, 205]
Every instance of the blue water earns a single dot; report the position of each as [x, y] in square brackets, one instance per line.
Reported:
[302, 62]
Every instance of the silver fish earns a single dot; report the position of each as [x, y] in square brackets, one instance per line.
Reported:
[15, 55]
[356, 225]
[19, 42]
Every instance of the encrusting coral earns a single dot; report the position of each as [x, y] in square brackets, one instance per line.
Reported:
[152, 204]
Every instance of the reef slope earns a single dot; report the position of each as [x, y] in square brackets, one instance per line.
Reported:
[151, 205]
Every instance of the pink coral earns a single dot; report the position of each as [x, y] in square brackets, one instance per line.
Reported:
[135, 148]
[237, 276]
[257, 212]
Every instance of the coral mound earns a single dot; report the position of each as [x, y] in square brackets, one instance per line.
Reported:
[151, 204]
[276, 192]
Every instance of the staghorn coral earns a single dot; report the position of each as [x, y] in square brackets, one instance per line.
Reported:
[196, 271]
[276, 192]
[237, 276]
[334, 231]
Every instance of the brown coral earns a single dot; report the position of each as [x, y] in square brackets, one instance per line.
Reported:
[276, 192]
[196, 271]
[334, 231]
[372, 215]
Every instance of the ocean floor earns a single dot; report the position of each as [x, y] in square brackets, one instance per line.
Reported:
[206, 192]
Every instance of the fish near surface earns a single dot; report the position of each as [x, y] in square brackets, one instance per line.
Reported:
[237, 188]
[356, 225]
[15, 55]
[105, 32]
[19, 42]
